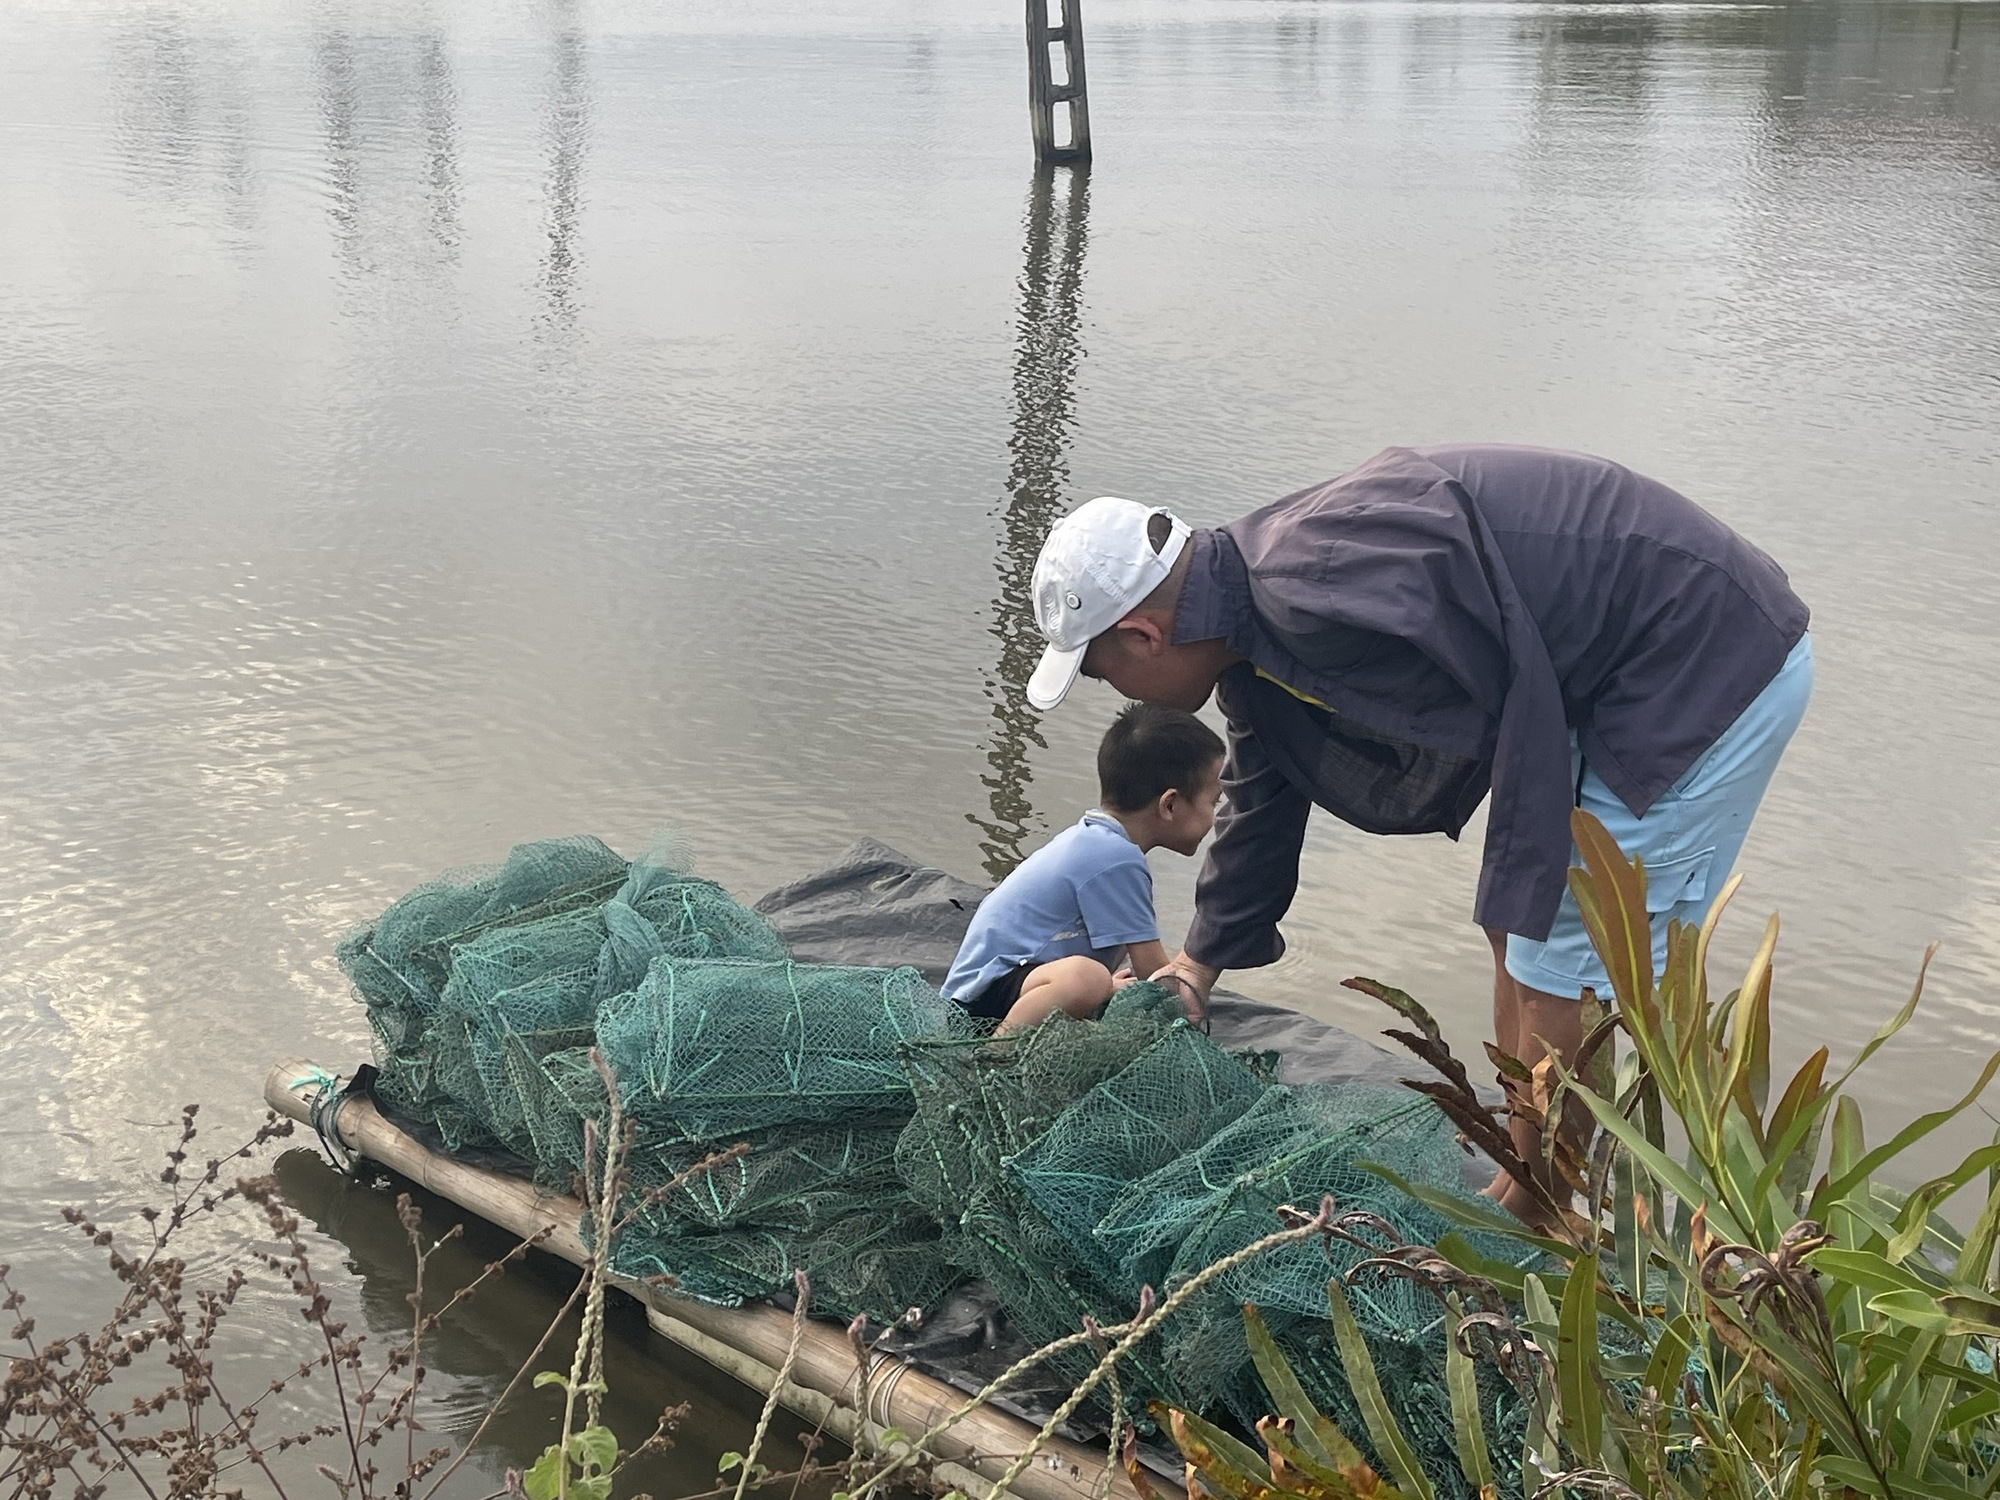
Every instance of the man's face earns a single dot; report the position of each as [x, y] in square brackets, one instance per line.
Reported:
[1152, 671]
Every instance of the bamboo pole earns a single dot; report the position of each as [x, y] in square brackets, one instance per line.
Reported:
[749, 1342]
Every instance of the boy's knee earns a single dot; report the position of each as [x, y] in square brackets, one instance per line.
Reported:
[1084, 984]
[1082, 975]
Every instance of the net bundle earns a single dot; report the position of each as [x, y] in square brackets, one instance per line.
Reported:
[892, 1151]
[487, 990]
[1086, 1161]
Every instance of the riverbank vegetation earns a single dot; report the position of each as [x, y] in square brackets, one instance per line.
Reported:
[1724, 1298]
[1744, 1307]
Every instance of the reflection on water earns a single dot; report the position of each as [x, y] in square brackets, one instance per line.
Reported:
[565, 127]
[509, 1324]
[1047, 349]
[427, 426]
[440, 132]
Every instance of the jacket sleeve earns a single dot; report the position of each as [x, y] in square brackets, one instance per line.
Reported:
[1252, 870]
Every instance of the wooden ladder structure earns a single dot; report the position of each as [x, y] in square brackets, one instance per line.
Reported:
[1045, 94]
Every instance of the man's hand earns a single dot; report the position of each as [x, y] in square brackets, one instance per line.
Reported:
[1193, 980]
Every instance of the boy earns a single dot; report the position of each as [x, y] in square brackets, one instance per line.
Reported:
[1050, 935]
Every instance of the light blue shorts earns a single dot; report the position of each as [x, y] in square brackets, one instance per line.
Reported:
[1689, 839]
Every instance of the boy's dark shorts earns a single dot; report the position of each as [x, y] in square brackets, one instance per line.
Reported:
[993, 1002]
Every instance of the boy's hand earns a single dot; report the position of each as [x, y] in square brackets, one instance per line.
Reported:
[1194, 981]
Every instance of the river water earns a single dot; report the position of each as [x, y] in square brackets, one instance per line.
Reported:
[429, 425]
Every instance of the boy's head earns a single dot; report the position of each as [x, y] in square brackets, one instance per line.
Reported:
[1165, 767]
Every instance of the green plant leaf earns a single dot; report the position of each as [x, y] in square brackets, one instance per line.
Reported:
[1912, 1309]
[1975, 1259]
[544, 1479]
[1611, 897]
[1975, 1315]
[1791, 1138]
[1893, 1025]
[551, 1377]
[1577, 1361]
[1858, 1476]
[1468, 1423]
[1871, 1273]
[1669, 1361]
[1473, 1212]
[595, 1448]
[1233, 1466]
[1747, 1069]
[1298, 1472]
[1905, 1138]
[1663, 1167]
[1974, 1408]
[1915, 1219]
[1362, 1380]
[1461, 1252]
[1312, 1431]
[1538, 1310]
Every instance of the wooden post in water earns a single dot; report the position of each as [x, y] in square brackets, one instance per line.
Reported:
[1045, 94]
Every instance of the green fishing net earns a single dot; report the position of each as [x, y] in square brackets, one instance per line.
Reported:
[892, 1149]
[704, 1048]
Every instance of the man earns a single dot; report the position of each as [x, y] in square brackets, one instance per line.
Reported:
[1440, 624]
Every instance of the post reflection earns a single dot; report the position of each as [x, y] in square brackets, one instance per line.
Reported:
[440, 128]
[566, 131]
[1047, 349]
[333, 72]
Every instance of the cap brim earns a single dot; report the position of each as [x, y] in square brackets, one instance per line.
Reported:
[1054, 675]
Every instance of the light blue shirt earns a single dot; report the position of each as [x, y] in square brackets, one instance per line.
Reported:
[1087, 890]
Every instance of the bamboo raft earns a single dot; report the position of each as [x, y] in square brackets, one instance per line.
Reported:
[747, 1343]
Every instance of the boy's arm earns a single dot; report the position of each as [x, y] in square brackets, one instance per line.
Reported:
[1145, 959]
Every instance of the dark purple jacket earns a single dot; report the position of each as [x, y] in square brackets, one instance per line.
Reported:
[1458, 612]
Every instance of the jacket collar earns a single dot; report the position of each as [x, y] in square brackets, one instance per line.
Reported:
[1215, 597]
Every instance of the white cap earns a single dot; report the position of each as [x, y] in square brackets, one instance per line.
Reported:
[1096, 567]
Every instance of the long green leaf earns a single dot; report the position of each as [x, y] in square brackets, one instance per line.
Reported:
[1577, 1363]
[1850, 1144]
[1229, 1465]
[1803, 1088]
[1913, 1308]
[1315, 1433]
[1870, 1272]
[1974, 1408]
[1460, 1251]
[1747, 1069]
[1473, 1212]
[1928, 1418]
[1619, 928]
[1857, 1475]
[1298, 1471]
[1915, 1220]
[1975, 1260]
[1908, 1136]
[1790, 1152]
[1468, 1423]
[1893, 1025]
[1670, 1356]
[1669, 1172]
[1632, 1245]
[1386, 1433]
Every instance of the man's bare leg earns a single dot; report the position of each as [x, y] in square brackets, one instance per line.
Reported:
[1506, 1032]
[1524, 1019]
